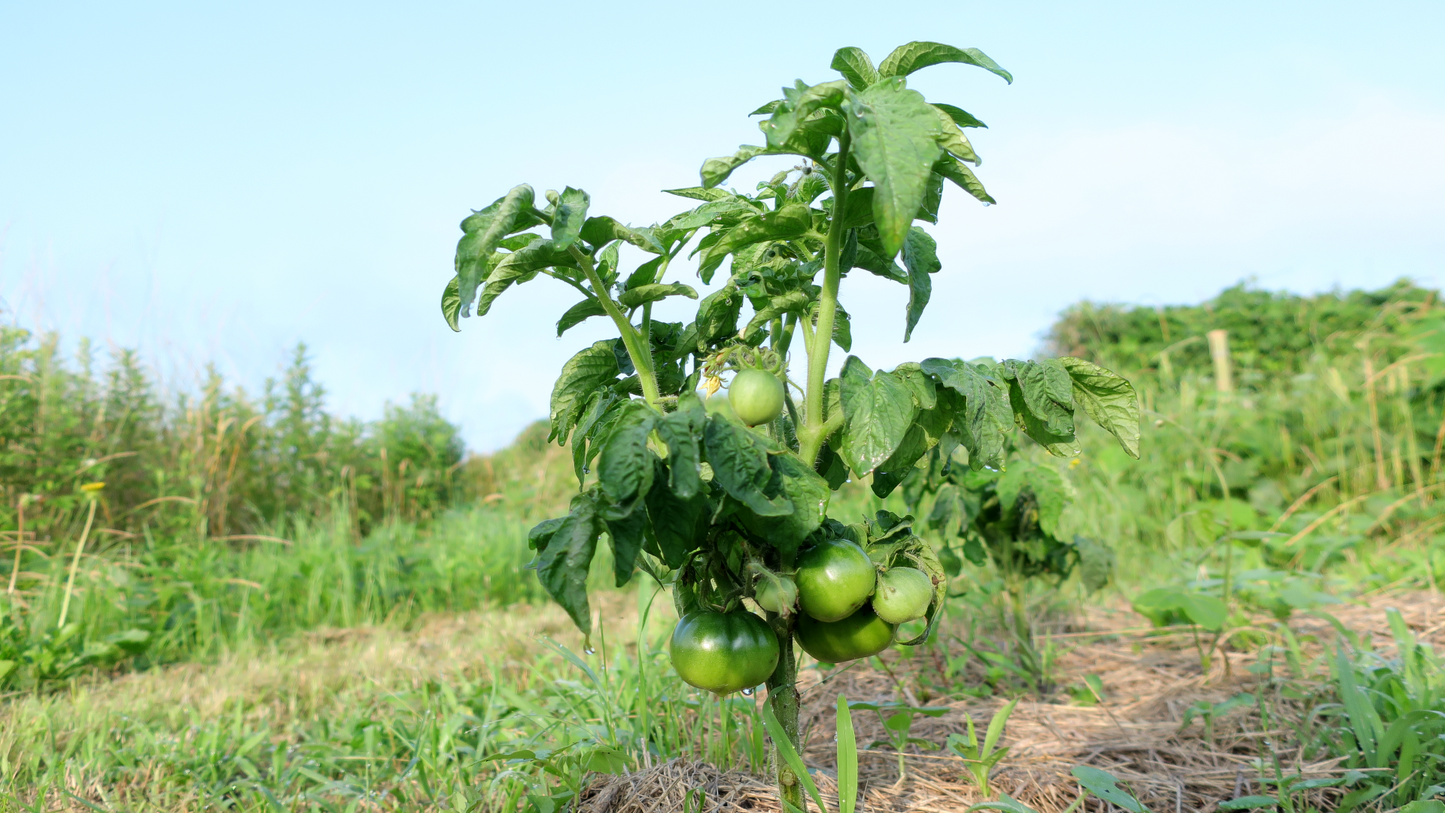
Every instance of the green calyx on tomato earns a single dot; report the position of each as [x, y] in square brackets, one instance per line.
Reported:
[834, 579]
[776, 595]
[903, 594]
[859, 635]
[724, 652]
[756, 397]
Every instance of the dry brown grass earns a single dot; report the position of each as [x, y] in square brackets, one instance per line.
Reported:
[1137, 734]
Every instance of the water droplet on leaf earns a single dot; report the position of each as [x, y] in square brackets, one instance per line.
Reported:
[748, 692]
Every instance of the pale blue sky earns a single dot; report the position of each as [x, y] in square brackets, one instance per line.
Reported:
[218, 181]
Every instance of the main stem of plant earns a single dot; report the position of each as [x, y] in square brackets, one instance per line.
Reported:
[783, 684]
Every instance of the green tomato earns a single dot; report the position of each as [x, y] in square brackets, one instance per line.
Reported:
[834, 579]
[775, 596]
[859, 635]
[756, 397]
[903, 594]
[724, 652]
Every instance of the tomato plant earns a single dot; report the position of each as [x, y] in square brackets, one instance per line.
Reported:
[686, 491]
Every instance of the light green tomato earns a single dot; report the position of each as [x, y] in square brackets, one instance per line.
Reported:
[775, 596]
[903, 594]
[756, 396]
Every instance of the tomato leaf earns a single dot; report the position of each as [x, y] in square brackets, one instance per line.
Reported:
[642, 294]
[624, 470]
[792, 221]
[960, 116]
[739, 463]
[520, 266]
[958, 172]
[790, 302]
[452, 304]
[878, 411]
[602, 229]
[483, 231]
[801, 103]
[855, 66]
[569, 218]
[627, 535]
[894, 141]
[920, 256]
[717, 315]
[952, 139]
[579, 313]
[925, 433]
[562, 566]
[1108, 399]
[716, 170]
[589, 370]
[678, 524]
[680, 431]
[700, 192]
[914, 56]
[1042, 396]
[986, 416]
[797, 483]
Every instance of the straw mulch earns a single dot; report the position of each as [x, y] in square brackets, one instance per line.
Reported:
[1149, 680]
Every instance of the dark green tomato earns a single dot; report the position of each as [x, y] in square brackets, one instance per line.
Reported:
[724, 652]
[834, 578]
[859, 635]
[756, 397]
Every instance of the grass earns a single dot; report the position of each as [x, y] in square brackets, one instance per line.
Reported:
[355, 653]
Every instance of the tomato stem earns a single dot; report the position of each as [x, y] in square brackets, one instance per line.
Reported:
[815, 432]
[637, 347]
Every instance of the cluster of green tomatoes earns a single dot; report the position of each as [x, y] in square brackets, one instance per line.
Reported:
[848, 608]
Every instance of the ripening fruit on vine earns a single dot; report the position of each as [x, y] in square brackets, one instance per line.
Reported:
[756, 397]
[834, 579]
[859, 635]
[903, 594]
[724, 652]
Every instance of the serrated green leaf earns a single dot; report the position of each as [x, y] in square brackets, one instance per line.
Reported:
[725, 212]
[932, 199]
[767, 108]
[925, 433]
[624, 470]
[579, 313]
[1042, 398]
[872, 262]
[642, 294]
[801, 104]
[795, 482]
[627, 535]
[894, 141]
[791, 302]
[700, 192]
[855, 66]
[1108, 399]
[483, 232]
[920, 257]
[790, 222]
[562, 567]
[914, 56]
[452, 304]
[1096, 563]
[591, 414]
[717, 315]
[679, 524]
[952, 140]
[958, 172]
[739, 463]
[589, 370]
[570, 216]
[681, 432]
[520, 266]
[878, 411]
[716, 170]
[602, 229]
[986, 415]
[960, 116]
